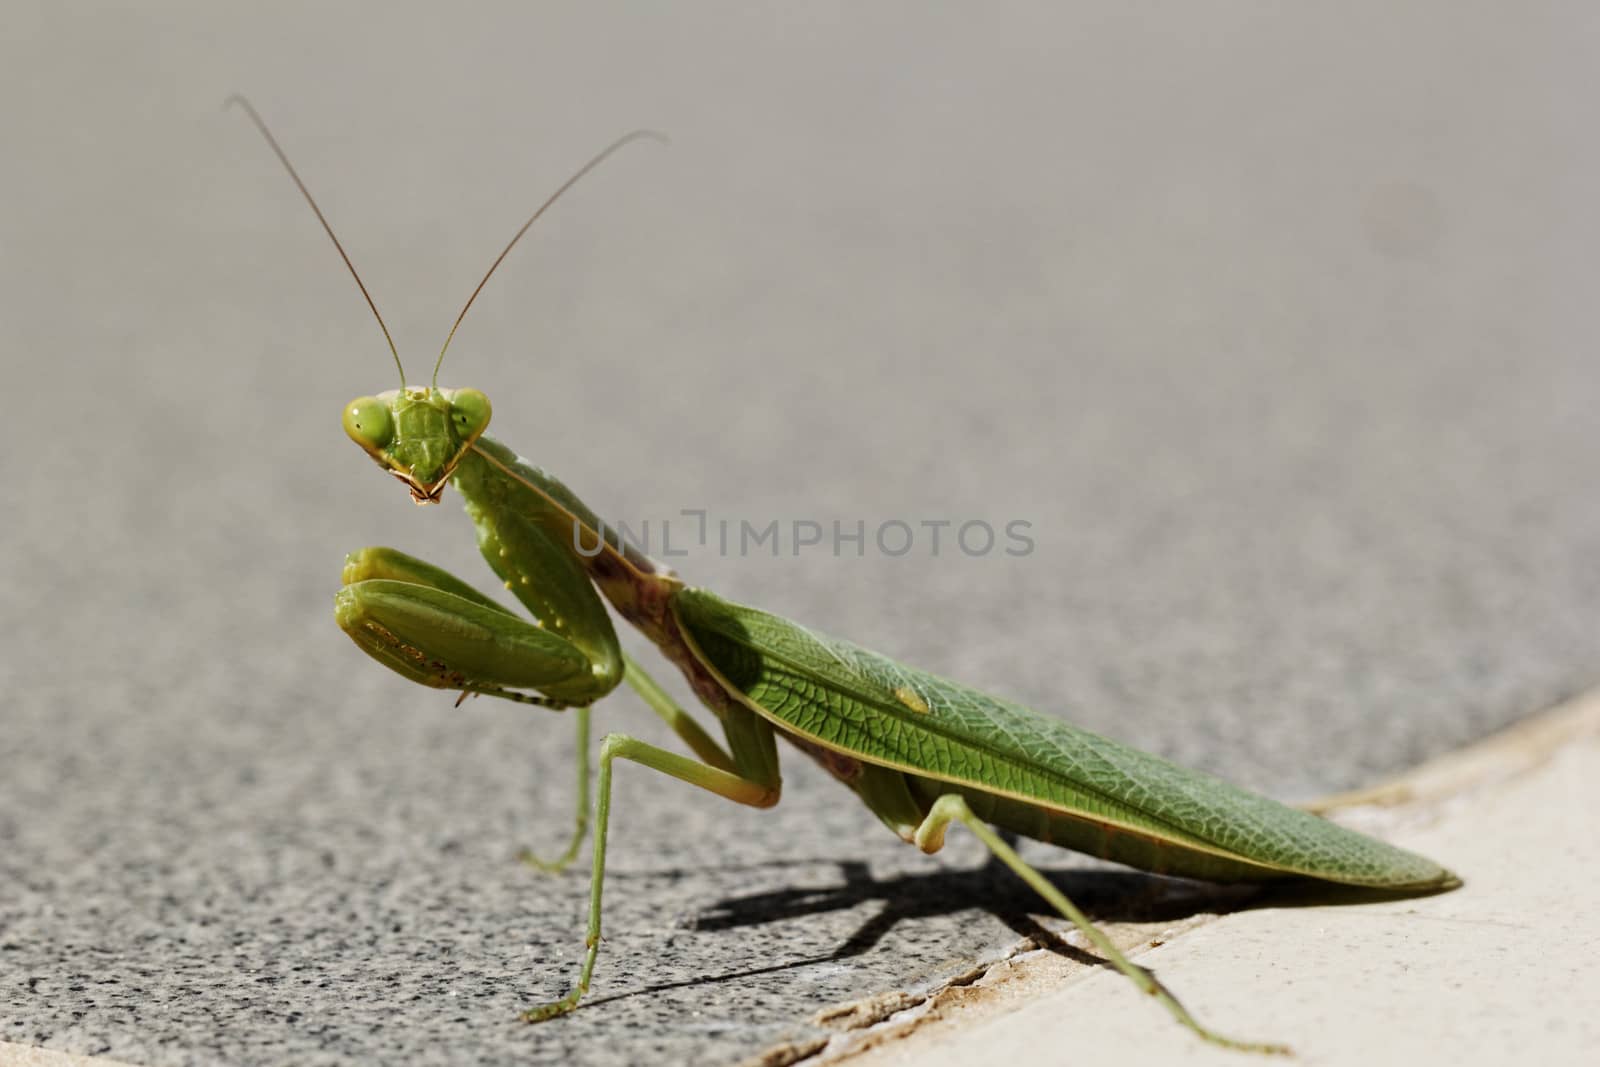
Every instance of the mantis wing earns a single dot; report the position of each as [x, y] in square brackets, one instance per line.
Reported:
[849, 700]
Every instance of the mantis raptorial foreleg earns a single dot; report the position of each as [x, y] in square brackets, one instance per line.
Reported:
[435, 629]
[953, 807]
[742, 790]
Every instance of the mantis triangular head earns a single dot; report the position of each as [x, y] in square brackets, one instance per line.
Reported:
[420, 435]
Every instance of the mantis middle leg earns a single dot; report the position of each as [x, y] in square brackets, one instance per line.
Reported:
[736, 787]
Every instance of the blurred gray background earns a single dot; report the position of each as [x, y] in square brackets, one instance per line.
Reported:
[1277, 324]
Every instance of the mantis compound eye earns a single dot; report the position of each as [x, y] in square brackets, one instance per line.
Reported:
[368, 423]
[469, 411]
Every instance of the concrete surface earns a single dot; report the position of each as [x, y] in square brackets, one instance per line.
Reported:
[1279, 329]
[29, 1056]
[1495, 972]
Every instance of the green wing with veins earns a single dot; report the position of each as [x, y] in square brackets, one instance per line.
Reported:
[854, 701]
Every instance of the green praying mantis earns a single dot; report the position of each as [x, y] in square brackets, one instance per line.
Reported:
[921, 752]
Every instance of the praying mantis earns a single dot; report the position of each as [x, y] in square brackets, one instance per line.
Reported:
[921, 752]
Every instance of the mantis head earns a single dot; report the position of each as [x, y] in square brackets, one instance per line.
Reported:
[418, 435]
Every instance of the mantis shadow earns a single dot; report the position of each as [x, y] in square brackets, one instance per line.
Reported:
[1105, 895]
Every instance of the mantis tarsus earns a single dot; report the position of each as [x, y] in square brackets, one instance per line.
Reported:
[920, 751]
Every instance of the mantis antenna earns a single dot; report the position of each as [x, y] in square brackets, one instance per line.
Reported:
[273, 141]
[636, 135]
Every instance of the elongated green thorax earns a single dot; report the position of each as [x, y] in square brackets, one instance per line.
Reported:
[508, 497]
[544, 543]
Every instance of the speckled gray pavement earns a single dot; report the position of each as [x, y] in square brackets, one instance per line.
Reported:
[1278, 327]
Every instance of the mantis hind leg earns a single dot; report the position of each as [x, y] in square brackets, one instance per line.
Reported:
[953, 808]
